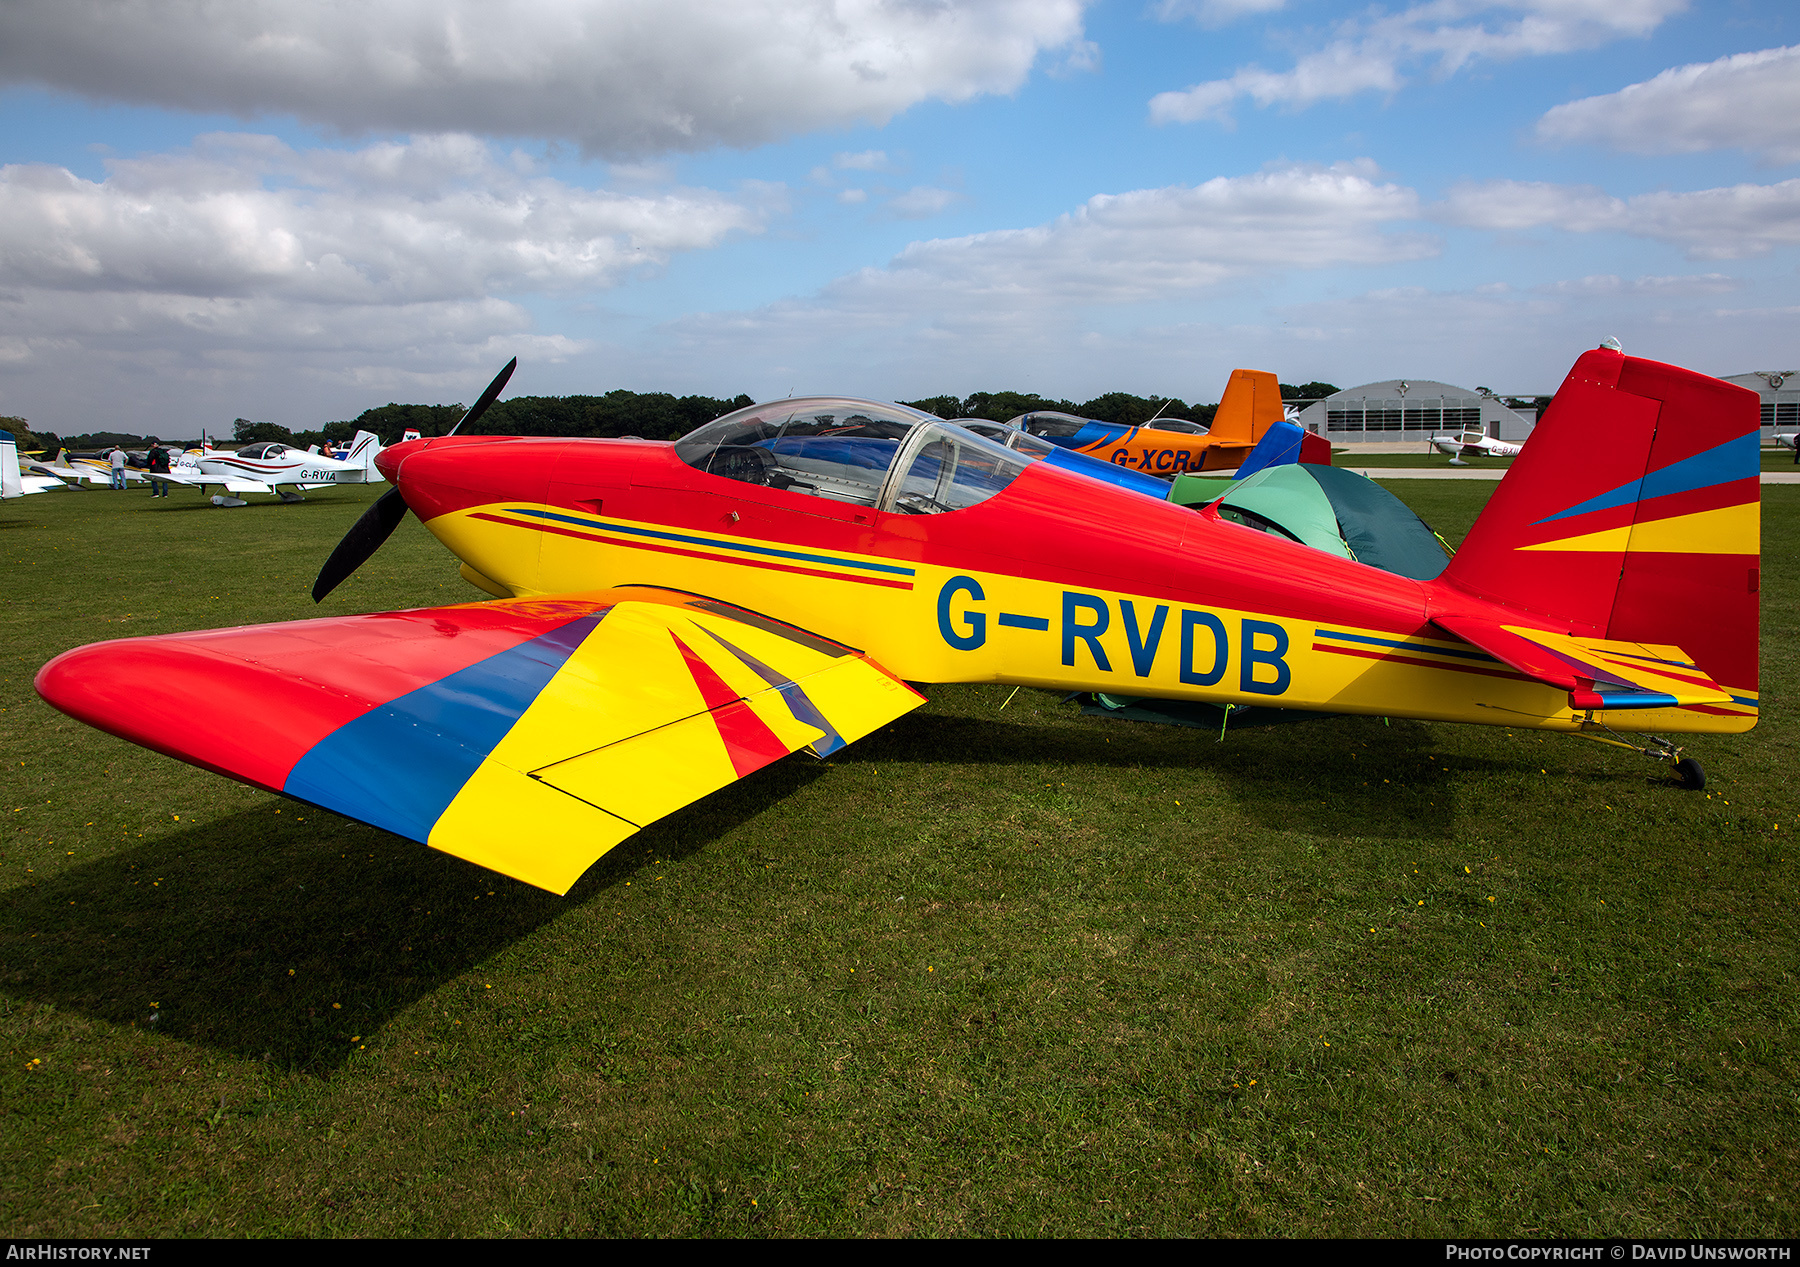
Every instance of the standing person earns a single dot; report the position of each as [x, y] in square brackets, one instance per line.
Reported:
[159, 464]
[118, 468]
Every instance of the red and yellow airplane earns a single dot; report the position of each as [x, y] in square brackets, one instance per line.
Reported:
[1250, 406]
[672, 616]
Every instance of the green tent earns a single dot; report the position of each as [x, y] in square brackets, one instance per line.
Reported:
[1327, 508]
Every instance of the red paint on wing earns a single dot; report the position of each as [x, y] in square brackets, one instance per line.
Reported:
[748, 740]
[315, 675]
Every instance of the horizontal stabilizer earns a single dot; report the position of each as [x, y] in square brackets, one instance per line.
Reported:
[1596, 672]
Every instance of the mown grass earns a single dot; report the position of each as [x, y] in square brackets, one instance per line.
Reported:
[992, 971]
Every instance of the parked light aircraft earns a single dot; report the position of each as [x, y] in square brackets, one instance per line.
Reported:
[75, 469]
[1474, 444]
[1250, 406]
[263, 468]
[674, 616]
[13, 482]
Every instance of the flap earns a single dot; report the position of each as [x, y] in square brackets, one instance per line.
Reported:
[1596, 672]
[526, 735]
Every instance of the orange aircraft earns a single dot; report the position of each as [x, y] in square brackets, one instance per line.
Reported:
[1170, 447]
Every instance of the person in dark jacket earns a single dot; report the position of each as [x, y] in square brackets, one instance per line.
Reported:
[159, 464]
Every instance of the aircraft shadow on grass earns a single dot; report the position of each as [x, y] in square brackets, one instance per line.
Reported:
[1288, 778]
[207, 923]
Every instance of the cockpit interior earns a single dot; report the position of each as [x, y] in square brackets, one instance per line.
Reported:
[889, 457]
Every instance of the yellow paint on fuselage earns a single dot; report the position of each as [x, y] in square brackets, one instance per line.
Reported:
[927, 623]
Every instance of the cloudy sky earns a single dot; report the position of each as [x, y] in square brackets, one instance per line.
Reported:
[291, 211]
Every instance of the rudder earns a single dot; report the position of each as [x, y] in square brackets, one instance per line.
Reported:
[11, 484]
[1633, 515]
[1250, 406]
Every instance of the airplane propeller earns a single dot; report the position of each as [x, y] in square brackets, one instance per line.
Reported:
[378, 522]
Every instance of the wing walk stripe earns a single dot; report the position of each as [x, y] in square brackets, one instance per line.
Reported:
[694, 554]
[716, 544]
[798, 702]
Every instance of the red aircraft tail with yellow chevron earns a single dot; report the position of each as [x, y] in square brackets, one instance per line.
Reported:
[1629, 527]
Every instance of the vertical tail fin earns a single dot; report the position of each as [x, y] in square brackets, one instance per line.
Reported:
[362, 453]
[1250, 406]
[1632, 515]
[10, 483]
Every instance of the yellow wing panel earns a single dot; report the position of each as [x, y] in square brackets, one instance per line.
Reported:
[667, 699]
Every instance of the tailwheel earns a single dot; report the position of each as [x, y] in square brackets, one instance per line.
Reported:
[1686, 770]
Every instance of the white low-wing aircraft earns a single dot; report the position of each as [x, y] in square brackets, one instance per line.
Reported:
[263, 468]
[1473, 444]
[12, 482]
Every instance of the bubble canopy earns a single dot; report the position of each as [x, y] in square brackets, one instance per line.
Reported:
[890, 457]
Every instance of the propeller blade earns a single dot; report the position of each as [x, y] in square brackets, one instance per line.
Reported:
[378, 522]
[364, 538]
[487, 397]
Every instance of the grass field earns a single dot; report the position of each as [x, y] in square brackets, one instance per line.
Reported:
[991, 971]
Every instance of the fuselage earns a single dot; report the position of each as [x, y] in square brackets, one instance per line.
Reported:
[1456, 446]
[1056, 582]
[293, 466]
[1152, 450]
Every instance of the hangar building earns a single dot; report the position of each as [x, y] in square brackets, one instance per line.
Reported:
[1413, 409]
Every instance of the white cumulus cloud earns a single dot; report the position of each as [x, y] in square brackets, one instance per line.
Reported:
[623, 78]
[1213, 12]
[1155, 242]
[1381, 51]
[1012, 294]
[1731, 222]
[1606, 285]
[397, 262]
[1748, 101]
[437, 218]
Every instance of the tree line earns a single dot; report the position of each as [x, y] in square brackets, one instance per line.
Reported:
[649, 415]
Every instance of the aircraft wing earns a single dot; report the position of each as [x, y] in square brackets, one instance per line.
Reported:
[526, 735]
[75, 474]
[1597, 673]
[244, 486]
